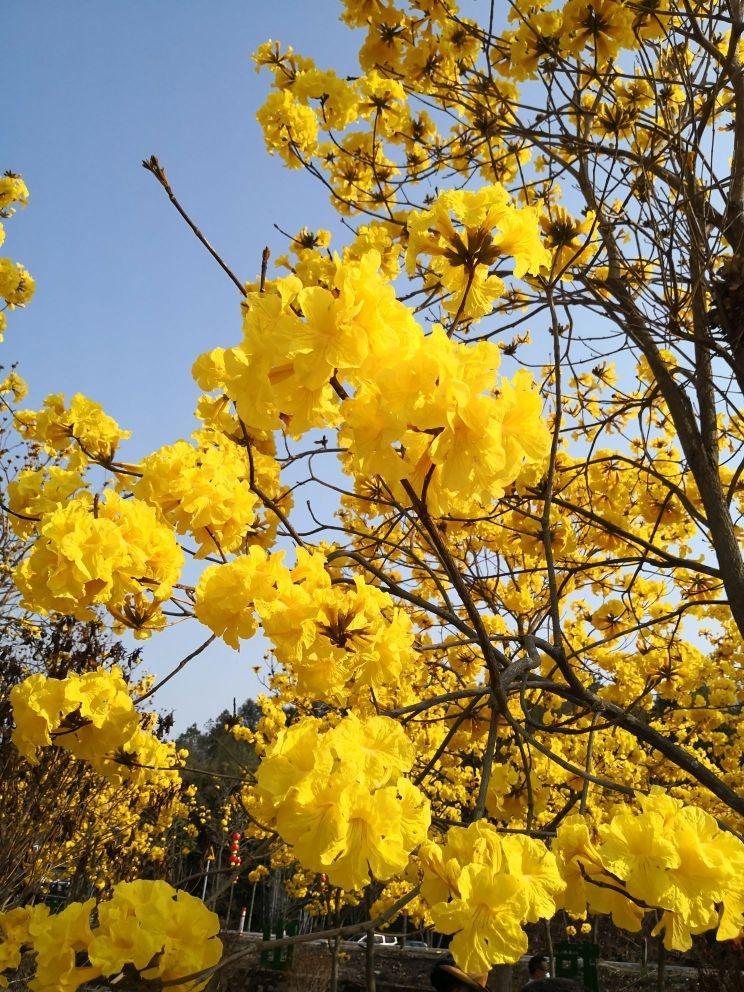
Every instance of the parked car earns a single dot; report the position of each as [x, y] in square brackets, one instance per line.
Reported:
[380, 939]
[415, 945]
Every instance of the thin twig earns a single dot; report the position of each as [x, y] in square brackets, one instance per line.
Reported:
[152, 165]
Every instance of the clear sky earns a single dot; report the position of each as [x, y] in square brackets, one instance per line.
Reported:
[126, 297]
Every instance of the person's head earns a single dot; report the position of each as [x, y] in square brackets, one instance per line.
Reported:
[538, 967]
[449, 978]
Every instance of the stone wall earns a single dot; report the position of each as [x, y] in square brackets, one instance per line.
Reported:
[399, 970]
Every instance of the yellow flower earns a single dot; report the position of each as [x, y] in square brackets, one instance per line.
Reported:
[97, 435]
[16, 283]
[609, 616]
[637, 850]
[203, 491]
[91, 715]
[464, 234]
[116, 552]
[289, 128]
[292, 762]
[580, 864]
[603, 26]
[566, 238]
[12, 190]
[340, 100]
[150, 923]
[56, 939]
[377, 745]
[537, 38]
[14, 384]
[338, 639]
[226, 594]
[483, 887]
[428, 419]
[535, 866]
[36, 493]
[337, 798]
[15, 927]
[372, 844]
[383, 100]
[485, 917]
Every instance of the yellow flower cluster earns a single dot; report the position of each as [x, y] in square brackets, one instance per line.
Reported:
[93, 717]
[665, 856]
[595, 31]
[148, 926]
[115, 552]
[83, 431]
[35, 493]
[338, 640]
[306, 101]
[424, 408]
[464, 235]
[14, 385]
[602, 27]
[203, 491]
[570, 241]
[482, 887]
[289, 128]
[16, 283]
[12, 190]
[226, 595]
[537, 37]
[339, 798]
[437, 417]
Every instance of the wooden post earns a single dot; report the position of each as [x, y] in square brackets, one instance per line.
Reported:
[369, 949]
[229, 904]
[250, 911]
[501, 978]
[661, 965]
[333, 983]
[369, 961]
[215, 884]
[549, 945]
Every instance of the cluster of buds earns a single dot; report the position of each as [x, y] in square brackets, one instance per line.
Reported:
[235, 859]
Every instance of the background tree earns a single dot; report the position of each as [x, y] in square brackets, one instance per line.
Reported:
[218, 763]
[61, 822]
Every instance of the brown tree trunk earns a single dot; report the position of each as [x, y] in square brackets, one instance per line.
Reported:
[501, 978]
[661, 966]
[549, 945]
[369, 961]
[333, 983]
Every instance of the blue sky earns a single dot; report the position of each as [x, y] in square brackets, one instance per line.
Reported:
[126, 297]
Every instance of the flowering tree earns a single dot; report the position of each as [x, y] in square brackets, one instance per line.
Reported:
[476, 476]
